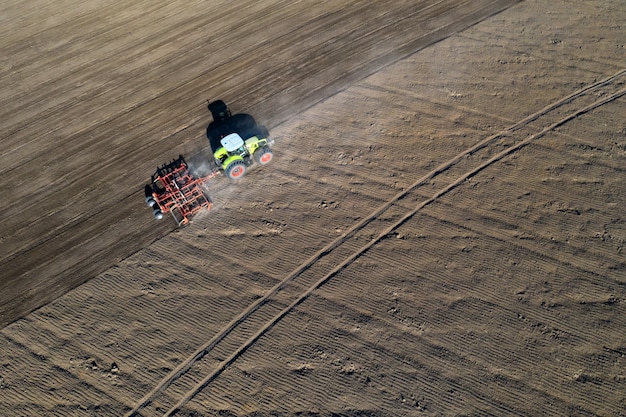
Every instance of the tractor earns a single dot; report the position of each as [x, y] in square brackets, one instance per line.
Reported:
[237, 141]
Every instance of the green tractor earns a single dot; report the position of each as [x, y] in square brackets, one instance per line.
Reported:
[237, 141]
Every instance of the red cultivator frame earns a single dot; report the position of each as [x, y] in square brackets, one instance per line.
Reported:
[175, 190]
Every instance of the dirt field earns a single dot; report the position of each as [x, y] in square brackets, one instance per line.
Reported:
[440, 233]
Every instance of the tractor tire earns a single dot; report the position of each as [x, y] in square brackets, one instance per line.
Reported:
[235, 170]
[149, 197]
[156, 211]
[263, 155]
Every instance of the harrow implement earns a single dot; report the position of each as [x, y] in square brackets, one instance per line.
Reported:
[174, 189]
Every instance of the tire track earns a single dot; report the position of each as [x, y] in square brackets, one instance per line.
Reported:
[382, 222]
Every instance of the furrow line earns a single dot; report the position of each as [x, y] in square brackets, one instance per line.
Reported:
[35, 346]
[542, 261]
[339, 182]
[563, 231]
[140, 47]
[426, 354]
[542, 55]
[575, 149]
[595, 268]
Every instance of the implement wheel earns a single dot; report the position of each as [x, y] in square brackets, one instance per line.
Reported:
[263, 155]
[235, 170]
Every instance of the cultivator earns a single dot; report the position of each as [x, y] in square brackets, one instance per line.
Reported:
[175, 190]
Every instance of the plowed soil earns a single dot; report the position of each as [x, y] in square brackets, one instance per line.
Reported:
[440, 232]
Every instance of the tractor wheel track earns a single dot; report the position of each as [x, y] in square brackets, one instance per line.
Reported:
[260, 316]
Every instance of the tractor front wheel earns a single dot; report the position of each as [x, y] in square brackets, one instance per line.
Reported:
[235, 170]
[263, 155]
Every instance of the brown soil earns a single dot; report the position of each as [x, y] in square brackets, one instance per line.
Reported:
[440, 233]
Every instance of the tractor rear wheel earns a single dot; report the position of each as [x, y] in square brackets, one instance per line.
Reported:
[263, 155]
[235, 170]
